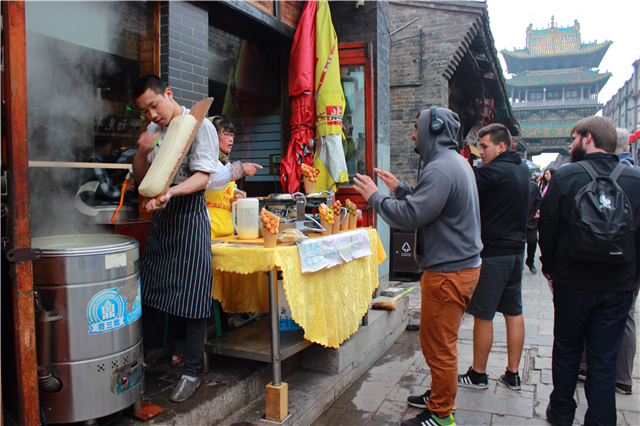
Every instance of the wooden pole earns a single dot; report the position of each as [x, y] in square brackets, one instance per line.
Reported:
[18, 213]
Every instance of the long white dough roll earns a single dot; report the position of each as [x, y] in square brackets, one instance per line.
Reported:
[165, 162]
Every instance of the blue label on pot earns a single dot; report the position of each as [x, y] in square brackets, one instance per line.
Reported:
[114, 308]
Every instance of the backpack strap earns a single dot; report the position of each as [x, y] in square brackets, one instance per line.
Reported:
[589, 168]
[617, 171]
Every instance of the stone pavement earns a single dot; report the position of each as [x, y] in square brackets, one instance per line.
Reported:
[378, 397]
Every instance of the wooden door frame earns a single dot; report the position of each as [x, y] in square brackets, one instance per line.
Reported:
[359, 54]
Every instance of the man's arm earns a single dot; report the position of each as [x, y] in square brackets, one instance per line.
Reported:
[422, 206]
[485, 177]
[140, 163]
[550, 225]
[194, 183]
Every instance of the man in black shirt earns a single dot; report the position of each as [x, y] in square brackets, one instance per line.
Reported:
[591, 299]
[503, 186]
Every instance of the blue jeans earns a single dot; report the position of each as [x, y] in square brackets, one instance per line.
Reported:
[597, 319]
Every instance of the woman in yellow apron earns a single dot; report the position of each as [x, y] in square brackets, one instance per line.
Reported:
[223, 184]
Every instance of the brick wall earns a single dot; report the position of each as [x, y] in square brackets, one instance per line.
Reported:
[444, 31]
[184, 57]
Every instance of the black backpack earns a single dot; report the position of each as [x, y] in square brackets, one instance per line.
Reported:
[601, 227]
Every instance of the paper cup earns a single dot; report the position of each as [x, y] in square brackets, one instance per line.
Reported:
[353, 220]
[270, 240]
[326, 226]
[345, 221]
[309, 187]
[335, 228]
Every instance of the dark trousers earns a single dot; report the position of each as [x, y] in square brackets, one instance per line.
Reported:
[532, 242]
[196, 332]
[597, 319]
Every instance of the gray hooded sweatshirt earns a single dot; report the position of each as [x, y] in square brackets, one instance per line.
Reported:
[443, 207]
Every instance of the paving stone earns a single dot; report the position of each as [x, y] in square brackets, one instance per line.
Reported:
[471, 418]
[499, 420]
[545, 351]
[365, 396]
[543, 391]
[409, 384]
[628, 403]
[631, 417]
[354, 418]
[527, 391]
[546, 377]
[489, 402]
[329, 417]
[542, 363]
[390, 412]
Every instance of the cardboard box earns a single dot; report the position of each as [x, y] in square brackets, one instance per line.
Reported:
[284, 311]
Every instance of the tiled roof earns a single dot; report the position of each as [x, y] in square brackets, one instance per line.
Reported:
[547, 130]
[557, 78]
[561, 49]
[555, 41]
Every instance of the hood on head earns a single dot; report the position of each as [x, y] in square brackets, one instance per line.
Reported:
[430, 145]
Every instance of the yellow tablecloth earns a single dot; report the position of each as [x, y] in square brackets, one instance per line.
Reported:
[328, 304]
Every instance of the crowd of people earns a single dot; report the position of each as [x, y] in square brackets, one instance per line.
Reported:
[472, 228]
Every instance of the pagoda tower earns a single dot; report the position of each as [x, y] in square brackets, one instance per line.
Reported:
[556, 83]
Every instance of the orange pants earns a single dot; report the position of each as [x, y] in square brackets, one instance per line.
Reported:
[445, 297]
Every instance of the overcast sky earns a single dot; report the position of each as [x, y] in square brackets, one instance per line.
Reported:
[616, 20]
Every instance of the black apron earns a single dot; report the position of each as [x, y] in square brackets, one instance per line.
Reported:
[176, 273]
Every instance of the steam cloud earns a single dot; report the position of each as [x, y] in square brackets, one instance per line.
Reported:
[64, 91]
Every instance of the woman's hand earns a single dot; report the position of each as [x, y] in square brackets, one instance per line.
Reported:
[250, 168]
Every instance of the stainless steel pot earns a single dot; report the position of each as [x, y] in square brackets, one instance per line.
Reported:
[88, 288]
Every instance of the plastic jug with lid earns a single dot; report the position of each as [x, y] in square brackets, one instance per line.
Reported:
[246, 217]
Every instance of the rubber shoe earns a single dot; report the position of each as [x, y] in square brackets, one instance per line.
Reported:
[427, 418]
[184, 389]
[419, 401]
[177, 359]
[582, 375]
[471, 379]
[533, 269]
[513, 382]
[624, 389]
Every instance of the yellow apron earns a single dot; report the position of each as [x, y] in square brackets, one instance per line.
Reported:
[219, 205]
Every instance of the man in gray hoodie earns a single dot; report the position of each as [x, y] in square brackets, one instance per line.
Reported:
[444, 209]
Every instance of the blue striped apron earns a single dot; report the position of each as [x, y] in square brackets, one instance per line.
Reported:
[176, 273]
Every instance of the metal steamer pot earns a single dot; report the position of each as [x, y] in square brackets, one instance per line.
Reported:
[88, 326]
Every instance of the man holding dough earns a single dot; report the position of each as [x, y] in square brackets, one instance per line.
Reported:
[176, 273]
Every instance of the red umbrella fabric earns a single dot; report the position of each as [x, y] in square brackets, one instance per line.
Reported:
[302, 63]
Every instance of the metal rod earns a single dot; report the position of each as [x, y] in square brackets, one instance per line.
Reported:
[79, 165]
[403, 27]
[275, 329]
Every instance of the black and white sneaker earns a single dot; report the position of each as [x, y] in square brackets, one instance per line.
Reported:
[471, 379]
[511, 380]
[419, 401]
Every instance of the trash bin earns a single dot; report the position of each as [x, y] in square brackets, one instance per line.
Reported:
[403, 263]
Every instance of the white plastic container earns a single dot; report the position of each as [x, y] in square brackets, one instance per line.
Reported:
[246, 218]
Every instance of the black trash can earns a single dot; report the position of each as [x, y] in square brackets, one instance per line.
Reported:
[403, 264]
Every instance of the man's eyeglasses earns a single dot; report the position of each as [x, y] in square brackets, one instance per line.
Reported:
[229, 135]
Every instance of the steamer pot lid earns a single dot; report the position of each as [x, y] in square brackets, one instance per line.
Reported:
[81, 245]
